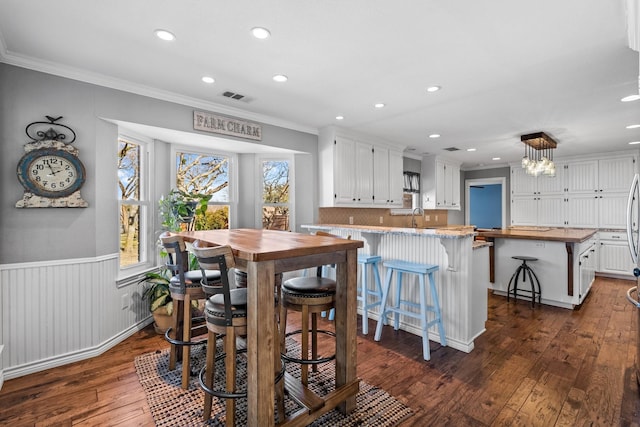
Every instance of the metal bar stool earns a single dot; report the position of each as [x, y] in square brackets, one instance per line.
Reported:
[525, 270]
[422, 270]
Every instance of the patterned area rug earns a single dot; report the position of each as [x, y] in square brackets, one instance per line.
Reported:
[173, 406]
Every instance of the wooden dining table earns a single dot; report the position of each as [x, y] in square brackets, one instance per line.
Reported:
[262, 254]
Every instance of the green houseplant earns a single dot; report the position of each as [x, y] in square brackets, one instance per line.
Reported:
[180, 207]
[158, 296]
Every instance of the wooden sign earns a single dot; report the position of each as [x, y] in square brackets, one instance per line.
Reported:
[208, 122]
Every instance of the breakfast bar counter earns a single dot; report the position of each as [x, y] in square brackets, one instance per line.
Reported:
[461, 281]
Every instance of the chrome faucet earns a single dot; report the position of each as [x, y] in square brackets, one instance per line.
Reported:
[414, 224]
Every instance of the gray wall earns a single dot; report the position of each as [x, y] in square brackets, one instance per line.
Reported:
[504, 172]
[52, 234]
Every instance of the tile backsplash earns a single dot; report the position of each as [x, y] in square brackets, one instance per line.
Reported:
[373, 216]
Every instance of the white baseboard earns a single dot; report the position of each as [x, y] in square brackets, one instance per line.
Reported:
[87, 353]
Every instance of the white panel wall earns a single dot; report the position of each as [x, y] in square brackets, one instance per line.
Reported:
[455, 288]
[57, 313]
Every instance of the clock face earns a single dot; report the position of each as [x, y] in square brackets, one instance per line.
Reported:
[51, 173]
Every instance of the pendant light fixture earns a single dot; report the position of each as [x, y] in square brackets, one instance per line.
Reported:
[538, 154]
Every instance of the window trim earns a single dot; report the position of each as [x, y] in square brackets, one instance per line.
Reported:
[260, 186]
[148, 250]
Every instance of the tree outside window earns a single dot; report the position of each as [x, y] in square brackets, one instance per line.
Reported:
[130, 203]
[275, 195]
[206, 174]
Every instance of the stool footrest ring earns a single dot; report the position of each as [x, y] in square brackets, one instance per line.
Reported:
[309, 361]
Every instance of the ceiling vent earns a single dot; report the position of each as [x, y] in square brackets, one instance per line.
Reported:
[452, 149]
[236, 96]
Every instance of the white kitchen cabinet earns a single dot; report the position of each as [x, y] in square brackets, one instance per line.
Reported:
[352, 170]
[388, 177]
[545, 211]
[612, 210]
[523, 184]
[613, 254]
[582, 211]
[615, 174]
[396, 178]
[587, 265]
[582, 176]
[440, 179]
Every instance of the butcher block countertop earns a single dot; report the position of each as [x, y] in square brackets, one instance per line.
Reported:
[570, 235]
[449, 231]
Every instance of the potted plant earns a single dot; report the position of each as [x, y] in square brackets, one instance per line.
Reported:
[180, 207]
[158, 296]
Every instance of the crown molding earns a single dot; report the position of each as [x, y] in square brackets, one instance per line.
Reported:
[98, 79]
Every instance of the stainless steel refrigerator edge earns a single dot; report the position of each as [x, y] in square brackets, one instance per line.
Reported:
[633, 239]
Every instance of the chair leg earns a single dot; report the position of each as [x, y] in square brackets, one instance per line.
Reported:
[314, 340]
[209, 372]
[426, 352]
[365, 301]
[383, 306]
[230, 366]
[304, 374]
[186, 336]
[175, 320]
[276, 369]
[396, 320]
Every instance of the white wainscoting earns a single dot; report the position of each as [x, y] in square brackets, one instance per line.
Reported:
[58, 312]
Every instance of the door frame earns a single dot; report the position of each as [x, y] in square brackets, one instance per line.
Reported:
[485, 181]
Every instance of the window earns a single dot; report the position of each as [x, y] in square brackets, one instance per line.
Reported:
[206, 174]
[276, 194]
[133, 203]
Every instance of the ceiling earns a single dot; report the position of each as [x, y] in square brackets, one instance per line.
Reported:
[506, 67]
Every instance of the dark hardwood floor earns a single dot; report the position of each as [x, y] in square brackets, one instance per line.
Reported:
[544, 366]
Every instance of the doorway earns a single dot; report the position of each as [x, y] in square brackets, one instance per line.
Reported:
[485, 205]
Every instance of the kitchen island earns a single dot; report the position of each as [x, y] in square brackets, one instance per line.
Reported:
[462, 279]
[566, 260]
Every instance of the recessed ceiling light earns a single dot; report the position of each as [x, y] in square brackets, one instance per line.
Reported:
[471, 149]
[339, 117]
[433, 88]
[280, 78]
[260, 33]
[208, 79]
[379, 105]
[434, 135]
[165, 35]
[496, 158]
[630, 98]
[633, 126]
[634, 143]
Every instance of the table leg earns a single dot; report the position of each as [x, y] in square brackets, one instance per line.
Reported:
[261, 339]
[346, 326]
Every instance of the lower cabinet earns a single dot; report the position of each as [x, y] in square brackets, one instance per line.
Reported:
[587, 265]
[613, 254]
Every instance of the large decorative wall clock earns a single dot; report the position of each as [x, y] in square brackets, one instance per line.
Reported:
[50, 170]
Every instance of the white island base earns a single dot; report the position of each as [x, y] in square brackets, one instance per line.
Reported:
[462, 279]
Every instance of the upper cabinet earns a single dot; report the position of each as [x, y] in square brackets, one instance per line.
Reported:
[356, 173]
[594, 193]
[440, 181]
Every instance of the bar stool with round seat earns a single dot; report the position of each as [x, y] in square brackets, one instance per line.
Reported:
[226, 315]
[309, 295]
[525, 270]
[422, 271]
[186, 289]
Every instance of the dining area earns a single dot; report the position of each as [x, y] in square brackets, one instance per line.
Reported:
[263, 255]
